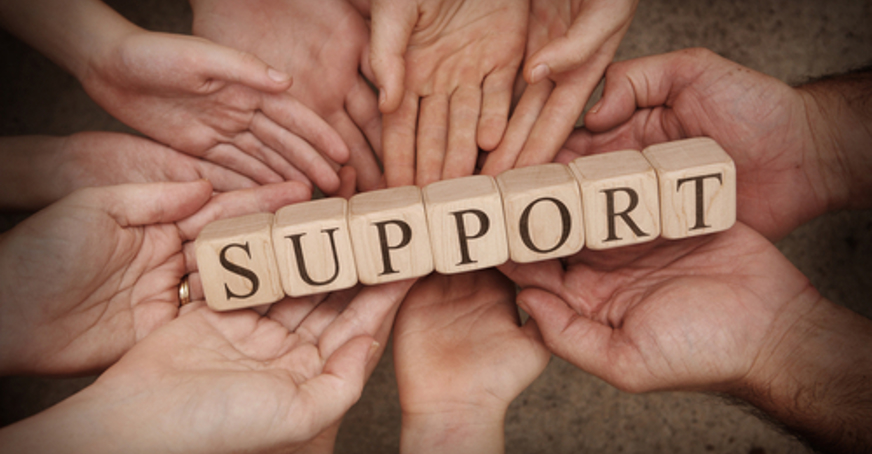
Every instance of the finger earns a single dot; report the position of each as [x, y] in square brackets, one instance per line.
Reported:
[547, 275]
[298, 119]
[225, 63]
[432, 139]
[297, 151]
[347, 182]
[222, 179]
[523, 119]
[596, 23]
[463, 122]
[231, 157]
[252, 146]
[495, 105]
[392, 24]
[146, 204]
[362, 158]
[398, 138]
[362, 106]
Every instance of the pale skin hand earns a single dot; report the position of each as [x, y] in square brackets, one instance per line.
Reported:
[89, 276]
[445, 70]
[570, 44]
[188, 93]
[323, 44]
[787, 172]
[39, 170]
[225, 382]
[461, 357]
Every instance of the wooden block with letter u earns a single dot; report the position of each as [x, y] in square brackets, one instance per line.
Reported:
[389, 235]
[237, 263]
[697, 187]
[313, 247]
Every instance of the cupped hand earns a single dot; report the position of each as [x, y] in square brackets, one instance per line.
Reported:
[325, 46]
[89, 276]
[783, 175]
[214, 102]
[695, 314]
[445, 71]
[570, 44]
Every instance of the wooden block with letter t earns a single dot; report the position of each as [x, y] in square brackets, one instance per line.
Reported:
[467, 228]
[313, 247]
[389, 235]
[619, 195]
[237, 264]
[543, 212]
[697, 187]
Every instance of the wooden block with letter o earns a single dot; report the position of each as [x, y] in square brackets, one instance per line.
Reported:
[697, 187]
[237, 264]
[543, 212]
[619, 195]
[313, 247]
[467, 229]
[389, 235]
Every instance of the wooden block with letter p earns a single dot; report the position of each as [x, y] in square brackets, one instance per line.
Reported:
[237, 264]
[389, 235]
[467, 228]
[619, 195]
[697, 187]
[543, 212]
[313, 247]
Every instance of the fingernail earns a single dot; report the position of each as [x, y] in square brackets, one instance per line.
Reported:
[372, 350]
[277, 75]
[539, 73]
[382, 97]
[596, 107]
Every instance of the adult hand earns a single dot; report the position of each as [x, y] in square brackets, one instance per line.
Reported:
[787, 171]
[89, 276]
[570, 44]
[40, 170]
[461, 357]
[227, 382]
[324, 45]
[447, 67]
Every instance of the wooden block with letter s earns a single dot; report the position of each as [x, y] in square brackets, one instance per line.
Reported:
[237, 263]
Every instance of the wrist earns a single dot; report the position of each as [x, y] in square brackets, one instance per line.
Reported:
[462, 430]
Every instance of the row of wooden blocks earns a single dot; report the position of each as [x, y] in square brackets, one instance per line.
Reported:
[675, 189]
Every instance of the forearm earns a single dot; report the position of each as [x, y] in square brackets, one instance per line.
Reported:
[815, 380]
[840, 118]
[453, 433]
[72, 33]
[30, 176]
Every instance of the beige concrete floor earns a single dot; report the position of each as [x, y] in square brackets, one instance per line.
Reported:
[565, 410]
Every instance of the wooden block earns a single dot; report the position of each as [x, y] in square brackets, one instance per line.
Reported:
[467, 228]
[620, 199]
[543, 212]
[389, 235]
[313, 247]
[697, 187]
[237, 264]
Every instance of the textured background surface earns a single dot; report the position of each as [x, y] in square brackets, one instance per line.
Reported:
[565, 410]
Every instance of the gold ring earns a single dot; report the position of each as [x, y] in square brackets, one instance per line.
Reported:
[184, 291]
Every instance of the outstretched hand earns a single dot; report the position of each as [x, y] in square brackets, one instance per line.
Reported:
[445, 70]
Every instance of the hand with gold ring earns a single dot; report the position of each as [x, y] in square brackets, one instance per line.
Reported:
[89, 276]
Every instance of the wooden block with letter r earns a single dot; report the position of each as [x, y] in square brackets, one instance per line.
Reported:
[237, 264]
[389, 235]
[543, 212]
[619, 195]
[467, 228]
[313, 247]
[697, 187]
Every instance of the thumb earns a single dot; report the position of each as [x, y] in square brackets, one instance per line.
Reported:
[392, 24]
[153, 203]
[224, 63]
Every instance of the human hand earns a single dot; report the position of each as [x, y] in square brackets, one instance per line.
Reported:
[461, 357]
[40, 170]
[214, 102]
[227, 382]
[324, 45]
[91, 275]
[570, 44]
[785, 176]
[455, 62]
